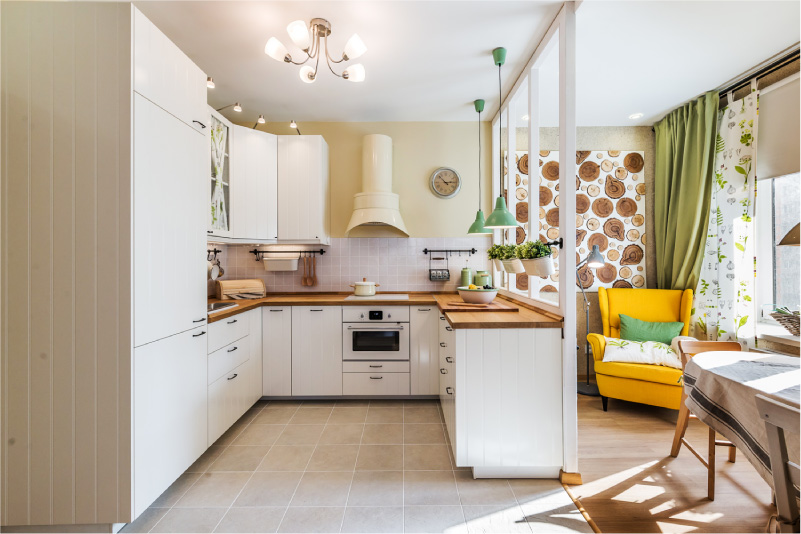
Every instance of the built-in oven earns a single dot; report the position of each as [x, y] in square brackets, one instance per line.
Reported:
[380, 333]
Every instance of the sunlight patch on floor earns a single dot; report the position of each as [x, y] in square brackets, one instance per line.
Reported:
[689, 515]
[664, 507]
[602, 484]
[674, 528]
[639, 493]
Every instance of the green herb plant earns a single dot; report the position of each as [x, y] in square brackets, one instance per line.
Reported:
[532, 249]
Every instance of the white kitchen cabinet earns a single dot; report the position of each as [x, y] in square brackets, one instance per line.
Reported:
[169, 275]
[255, 360]
[228, 400]
[169, 398]
[277, 351]
[254, 198]
[166, 76]
[316, 350]
[303, 197]
[424, 350]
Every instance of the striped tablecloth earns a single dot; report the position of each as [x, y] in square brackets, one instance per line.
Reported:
[721, 390]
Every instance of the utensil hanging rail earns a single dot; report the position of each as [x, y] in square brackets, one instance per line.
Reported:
[256, 252]
[450, 251]
[211, 254]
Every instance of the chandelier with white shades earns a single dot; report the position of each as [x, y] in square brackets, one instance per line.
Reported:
[313, 40]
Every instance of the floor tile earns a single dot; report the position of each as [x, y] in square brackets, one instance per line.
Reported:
[202, 464]
[495, 519]
[146, 521]
[176, 490]
[273, 488]
[428, 434]
[230, 435]
[426, 457]
[314, 519]
[273, 404]
[322, 489]
[344, 415]
[429, 487]
[565, 518]
[318, 404]
[274, 416]
[539, 491]
[262, 519]
[239, 458]
[379, 403]
[385, 415]
[333, 458]
[190, 520]
[425, 414]
[352, 403]
[287, 458]
[342, 435]
[434, 519]
[483, 491]
[300, 435]
[381, 519]
[259, 435]
[380, 458]
[376, 488]
[421, 403]
[214, 489]
[391, 434]
[310, 416]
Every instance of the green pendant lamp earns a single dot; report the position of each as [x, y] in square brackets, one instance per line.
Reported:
[500, 217]
[478, 226]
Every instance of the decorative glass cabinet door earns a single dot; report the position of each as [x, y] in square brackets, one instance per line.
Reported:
[220, 177]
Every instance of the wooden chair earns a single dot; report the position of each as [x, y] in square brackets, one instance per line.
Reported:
[688, 349]
[781, 419]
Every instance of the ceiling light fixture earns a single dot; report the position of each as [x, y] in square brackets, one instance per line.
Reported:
[261, 119]
[312, 39]
[235, 105]
[293, 124]
[210, 82]
[478, 225]
[635, 116]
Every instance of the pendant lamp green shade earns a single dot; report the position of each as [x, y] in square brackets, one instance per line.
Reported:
[500, 217]
[499, 56]
[478, 226]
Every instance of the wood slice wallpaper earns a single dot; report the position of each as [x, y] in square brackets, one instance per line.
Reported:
[610, 213]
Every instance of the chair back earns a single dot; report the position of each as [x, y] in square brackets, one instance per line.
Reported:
[688, 349]
[652, 305]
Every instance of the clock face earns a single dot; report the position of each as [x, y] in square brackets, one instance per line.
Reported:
[445, 182]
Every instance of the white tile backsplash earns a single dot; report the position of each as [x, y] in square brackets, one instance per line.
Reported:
[396, 264]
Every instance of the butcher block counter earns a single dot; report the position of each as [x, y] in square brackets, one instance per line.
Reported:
[470, 318]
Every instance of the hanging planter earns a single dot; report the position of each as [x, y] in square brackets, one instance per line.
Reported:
[513, 266]
[536, 258]
[539, 266]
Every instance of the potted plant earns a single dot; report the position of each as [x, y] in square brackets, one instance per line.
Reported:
[536, 258]
[510, 262]
[494, 255]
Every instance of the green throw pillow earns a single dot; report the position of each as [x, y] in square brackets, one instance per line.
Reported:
[636, 330]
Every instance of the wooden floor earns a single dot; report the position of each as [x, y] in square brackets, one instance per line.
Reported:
[631, 484]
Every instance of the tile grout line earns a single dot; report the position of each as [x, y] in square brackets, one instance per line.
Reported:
[353, 476]
[403, 468]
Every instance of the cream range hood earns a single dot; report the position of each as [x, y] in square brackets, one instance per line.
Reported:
[376, 210]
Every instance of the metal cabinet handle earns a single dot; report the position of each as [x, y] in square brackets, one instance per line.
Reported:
[209, 231]
[449, 390]
[423, 309]
[232, 377]
[443, 371]
[441, 318]
[200, 123]
[276, 310]
[233, 349]
[376, 366]
[449, 329]
[234, 321]
[376, 377]
[315, 310]
[199, 320]
[441, 344]
[198, 335]
[448, 359]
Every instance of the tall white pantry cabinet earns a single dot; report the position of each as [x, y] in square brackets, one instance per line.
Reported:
[104, 180]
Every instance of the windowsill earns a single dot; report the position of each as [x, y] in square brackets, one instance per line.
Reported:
[777, 334]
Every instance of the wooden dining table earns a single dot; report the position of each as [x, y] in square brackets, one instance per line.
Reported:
[721, 391]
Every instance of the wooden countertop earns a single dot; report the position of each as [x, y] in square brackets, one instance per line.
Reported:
[524, 318]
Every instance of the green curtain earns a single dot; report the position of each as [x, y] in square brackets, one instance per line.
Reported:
[685, 159]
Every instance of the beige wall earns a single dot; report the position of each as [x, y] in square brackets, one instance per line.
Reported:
[418, 149]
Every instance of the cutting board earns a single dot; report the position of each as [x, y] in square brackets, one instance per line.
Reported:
[450, 303]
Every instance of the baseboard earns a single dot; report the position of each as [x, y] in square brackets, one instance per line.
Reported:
[504, 471]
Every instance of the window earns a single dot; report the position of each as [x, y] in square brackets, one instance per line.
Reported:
[778, 210]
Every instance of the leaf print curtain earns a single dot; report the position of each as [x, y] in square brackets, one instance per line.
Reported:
[724, 304]
[219, 214]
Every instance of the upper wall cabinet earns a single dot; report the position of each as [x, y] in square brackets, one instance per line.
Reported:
[303, 214]
[221, 133]
[254, 199]
[166, 76]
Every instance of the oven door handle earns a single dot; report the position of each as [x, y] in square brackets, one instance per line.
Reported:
[375, 328]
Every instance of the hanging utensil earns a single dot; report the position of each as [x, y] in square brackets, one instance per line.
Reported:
[314, 270]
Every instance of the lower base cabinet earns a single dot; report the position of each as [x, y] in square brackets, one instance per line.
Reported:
[228, 400]
[316, 350]
[376, 384]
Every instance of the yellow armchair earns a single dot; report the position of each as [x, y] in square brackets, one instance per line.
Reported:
[647, 384]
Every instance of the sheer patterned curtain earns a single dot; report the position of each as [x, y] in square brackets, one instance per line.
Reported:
[725, 306]
[219, 215]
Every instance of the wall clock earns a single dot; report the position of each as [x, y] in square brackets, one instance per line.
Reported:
[445, 182]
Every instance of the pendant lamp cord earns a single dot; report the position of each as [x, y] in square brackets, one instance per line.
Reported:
[479, 161]
[500, 132]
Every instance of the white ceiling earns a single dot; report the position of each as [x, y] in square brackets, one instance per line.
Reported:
[428, 60]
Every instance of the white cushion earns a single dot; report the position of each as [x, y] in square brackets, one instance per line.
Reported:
[648, 352]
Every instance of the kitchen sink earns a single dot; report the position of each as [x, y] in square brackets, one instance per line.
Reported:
[220, 306]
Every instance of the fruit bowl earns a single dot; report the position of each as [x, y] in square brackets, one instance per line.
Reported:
[478, 295]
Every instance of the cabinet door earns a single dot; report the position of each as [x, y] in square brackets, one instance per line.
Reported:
[254, 195]
[169, 397]
[277, 351]
[166, 76]
[303, 188]
[424, 350]
[220, 174]
[255, 361]
[169, 274]
[316, 350]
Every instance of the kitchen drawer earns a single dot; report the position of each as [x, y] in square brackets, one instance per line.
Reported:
[375, 383]
[227, 358]
[227, 331]
[375, 367]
